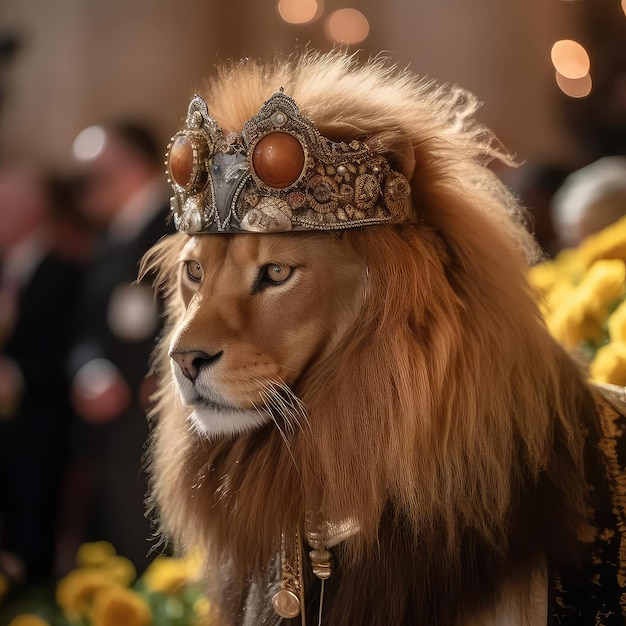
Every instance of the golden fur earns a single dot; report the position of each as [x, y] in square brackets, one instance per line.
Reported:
[436, 403]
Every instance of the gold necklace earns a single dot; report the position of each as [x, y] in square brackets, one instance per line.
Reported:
[321, 536]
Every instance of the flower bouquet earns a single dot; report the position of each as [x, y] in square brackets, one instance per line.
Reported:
[582, 297]
[103, 590]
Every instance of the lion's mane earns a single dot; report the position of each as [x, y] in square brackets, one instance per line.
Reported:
[447, 421]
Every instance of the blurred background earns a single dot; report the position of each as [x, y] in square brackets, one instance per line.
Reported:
[77, 209]
[69, 62]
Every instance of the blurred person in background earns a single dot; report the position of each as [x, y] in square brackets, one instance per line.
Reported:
[590, 199]
[122, 168]
[43, 245]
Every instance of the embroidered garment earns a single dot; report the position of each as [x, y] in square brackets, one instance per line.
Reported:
[599, 597]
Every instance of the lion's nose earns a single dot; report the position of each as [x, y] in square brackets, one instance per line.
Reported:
[191, 362]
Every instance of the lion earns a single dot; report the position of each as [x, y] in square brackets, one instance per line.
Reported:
[366, 422]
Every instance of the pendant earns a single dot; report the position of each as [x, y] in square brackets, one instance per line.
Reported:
[288, 601]
[321, 535]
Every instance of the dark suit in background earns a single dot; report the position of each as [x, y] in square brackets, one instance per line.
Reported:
[44, 243]
[108, 455]
[117, 327]
[33, 441]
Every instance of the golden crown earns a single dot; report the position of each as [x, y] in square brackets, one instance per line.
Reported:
[280, 174]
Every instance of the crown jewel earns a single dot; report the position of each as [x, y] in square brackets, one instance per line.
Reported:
[280, 174]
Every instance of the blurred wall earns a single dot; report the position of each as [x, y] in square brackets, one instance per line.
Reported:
[84, 60]
[499, 50]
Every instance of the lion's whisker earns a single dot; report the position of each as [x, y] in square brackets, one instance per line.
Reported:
[286, 405]
[285, 439]
[289, 406]
[299, 410]
[273, 400]
[266, 396]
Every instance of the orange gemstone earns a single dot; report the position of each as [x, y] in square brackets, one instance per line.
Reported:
[181, 161]
[278, 159]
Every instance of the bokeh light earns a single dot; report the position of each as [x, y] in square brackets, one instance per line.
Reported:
[570, 59]
[348, 26]
[298, 11]
[574, 87]
[89, 143]
[132, 314]
[95, 377]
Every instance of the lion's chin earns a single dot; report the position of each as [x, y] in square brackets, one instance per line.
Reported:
[218, 421]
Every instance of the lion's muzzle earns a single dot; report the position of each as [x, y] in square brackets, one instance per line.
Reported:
[193, 361]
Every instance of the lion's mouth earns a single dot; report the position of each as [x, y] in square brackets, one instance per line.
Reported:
[212, 418]
[213, 415]
[214, 405]
[204, 400]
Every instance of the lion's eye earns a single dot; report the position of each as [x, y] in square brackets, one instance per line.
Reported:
[277, 273]
[194, 270]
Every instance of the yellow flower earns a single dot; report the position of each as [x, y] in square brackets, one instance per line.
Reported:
[75, 593]
[204, 613]
[617, 323]
[569, 263]
[609, 366]
[609, 243]
[28, 619]
[601, 286]
[120, 569]
[194, 562]
[576, 291]
[94, 553]
[544, 276]
[570, 325]
[167, 574]
[116, 606]
[575, 313]
[553, 300]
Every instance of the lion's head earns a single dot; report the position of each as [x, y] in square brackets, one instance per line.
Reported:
[391, 372]
[258, 312]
